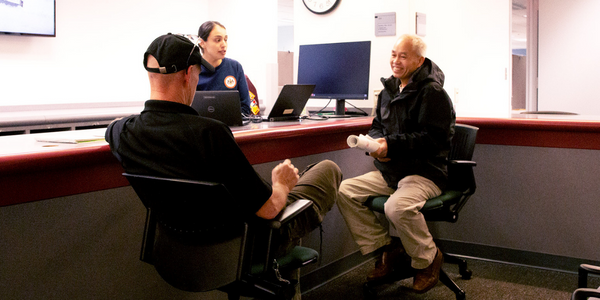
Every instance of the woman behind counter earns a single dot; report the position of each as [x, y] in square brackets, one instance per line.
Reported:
[229, 74]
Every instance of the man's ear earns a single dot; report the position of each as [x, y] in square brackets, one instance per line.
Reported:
[190, 69]
[188, 72]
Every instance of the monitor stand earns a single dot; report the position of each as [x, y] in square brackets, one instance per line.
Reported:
[340, 109]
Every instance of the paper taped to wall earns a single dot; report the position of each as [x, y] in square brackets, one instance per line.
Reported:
[362, 142]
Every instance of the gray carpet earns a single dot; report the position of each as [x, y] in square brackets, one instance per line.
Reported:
[490, 280]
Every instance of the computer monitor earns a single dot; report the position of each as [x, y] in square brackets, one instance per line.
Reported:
[339, 71]
[23, 17]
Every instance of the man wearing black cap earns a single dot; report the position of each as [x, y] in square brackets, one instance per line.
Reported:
[169, 139]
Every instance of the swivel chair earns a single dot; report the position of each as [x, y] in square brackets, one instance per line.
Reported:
[197, 244]
[461, 185]
[583, 292]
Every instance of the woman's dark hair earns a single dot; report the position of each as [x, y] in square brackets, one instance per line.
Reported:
[206, 28]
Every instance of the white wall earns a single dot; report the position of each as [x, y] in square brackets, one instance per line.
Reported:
[569, 67]
[97, 53]
[468, 39]
[252, 31]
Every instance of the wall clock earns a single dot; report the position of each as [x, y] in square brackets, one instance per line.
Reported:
[320, 6]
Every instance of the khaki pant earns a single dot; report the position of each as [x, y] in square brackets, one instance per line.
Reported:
[401, 210]
[318, 182]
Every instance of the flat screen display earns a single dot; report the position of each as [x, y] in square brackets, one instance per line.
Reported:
[338, 70]
[28, 17]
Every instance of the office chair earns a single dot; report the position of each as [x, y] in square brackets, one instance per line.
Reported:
[461, 185]
[197, 244]
[252, 90]
[583, 292]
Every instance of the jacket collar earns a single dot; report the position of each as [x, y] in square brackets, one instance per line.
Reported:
[427, 72]
[168, 106]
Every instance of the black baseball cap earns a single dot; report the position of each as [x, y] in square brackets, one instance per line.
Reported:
[174, 53]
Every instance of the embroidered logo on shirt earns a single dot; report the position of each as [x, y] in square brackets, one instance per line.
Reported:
[230, 82]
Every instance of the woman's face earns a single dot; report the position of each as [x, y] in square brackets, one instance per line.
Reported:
[215, 46]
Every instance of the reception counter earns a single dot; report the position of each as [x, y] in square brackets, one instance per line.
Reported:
[32, 170]
[549, 131]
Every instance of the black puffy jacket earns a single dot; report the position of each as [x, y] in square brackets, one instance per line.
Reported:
[418, 124]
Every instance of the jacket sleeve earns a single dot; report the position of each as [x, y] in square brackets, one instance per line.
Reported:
[238, 175]
[430, 135]
[376, 130]
[113, 135]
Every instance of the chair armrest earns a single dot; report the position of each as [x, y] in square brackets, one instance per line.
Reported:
[584, 293]
[462, 162]
[289, 212]
[590, 268]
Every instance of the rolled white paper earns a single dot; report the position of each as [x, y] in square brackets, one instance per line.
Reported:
[363, 142]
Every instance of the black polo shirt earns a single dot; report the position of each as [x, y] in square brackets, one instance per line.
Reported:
[171, 140]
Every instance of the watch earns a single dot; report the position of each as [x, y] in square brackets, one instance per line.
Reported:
[320, 6]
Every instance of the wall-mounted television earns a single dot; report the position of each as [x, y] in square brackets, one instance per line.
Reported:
[28, 17]
[339, 71]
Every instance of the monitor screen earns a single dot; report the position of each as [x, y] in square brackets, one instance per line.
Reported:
[339, 70]
[28, 17]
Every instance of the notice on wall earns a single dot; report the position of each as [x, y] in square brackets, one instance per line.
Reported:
[421, 24]
[385, 24]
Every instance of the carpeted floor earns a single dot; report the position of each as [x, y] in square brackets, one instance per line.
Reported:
[490, 280]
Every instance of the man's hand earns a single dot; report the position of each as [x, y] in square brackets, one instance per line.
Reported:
[286, 174]
[381, 153]
[284, 177]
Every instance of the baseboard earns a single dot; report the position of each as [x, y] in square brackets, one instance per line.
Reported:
[333, 270]
[513, 256]
[325, 274]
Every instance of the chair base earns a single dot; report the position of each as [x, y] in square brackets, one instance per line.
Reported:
[260, 288]
[370, 288]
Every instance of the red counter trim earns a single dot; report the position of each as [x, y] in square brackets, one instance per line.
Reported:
[267, 145]
[37, 176]
[537, 133]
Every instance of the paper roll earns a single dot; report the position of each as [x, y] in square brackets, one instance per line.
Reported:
[363, 142]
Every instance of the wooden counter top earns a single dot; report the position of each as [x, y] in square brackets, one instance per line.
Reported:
[31, 170]
[546, 132]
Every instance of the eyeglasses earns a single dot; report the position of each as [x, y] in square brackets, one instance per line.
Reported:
[195, 40]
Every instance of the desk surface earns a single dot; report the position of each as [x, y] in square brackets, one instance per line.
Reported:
[31, 170]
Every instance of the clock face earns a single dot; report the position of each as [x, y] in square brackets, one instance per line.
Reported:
[320, 6]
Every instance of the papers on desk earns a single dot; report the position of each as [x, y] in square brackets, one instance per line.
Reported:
[71, 137]
[362, 142]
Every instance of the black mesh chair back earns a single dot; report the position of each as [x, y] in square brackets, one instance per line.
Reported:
[197, 243]
[190, 243]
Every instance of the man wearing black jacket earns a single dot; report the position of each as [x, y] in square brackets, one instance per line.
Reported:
[414, 124]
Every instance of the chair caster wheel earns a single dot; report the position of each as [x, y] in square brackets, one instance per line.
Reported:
[466, 274]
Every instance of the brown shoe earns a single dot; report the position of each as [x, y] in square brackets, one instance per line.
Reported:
[392, 255]
[427, 278]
